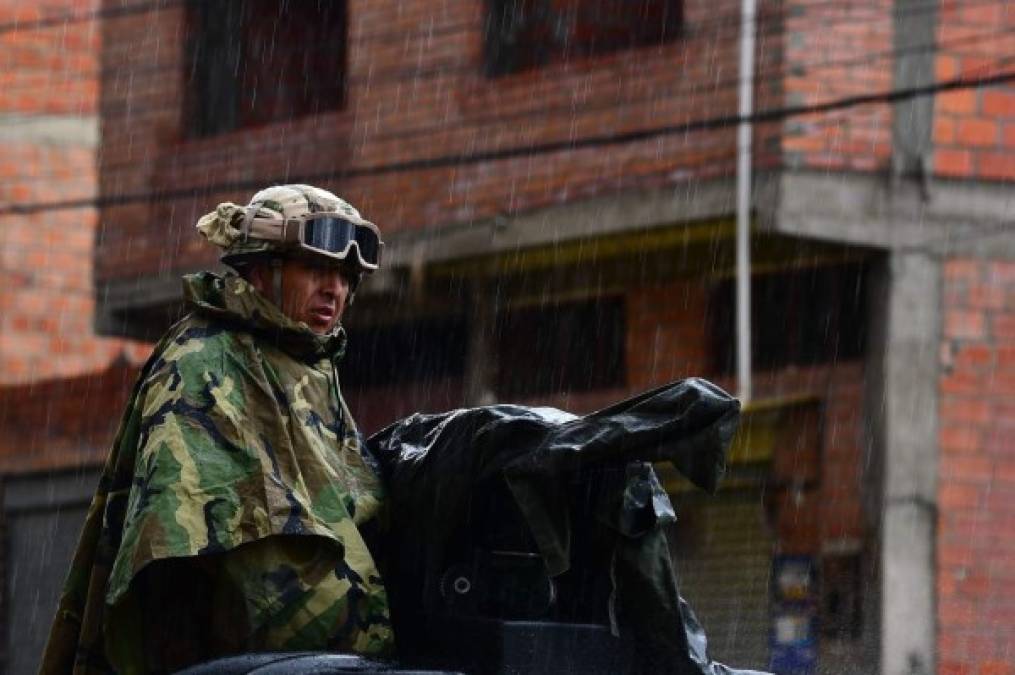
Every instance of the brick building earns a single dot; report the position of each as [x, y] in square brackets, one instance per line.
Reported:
[59, 381]
[555, 183]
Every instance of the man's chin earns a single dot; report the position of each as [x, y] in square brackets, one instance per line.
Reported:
[322, 329]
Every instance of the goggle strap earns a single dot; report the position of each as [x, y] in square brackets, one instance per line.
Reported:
[291, 230]
[248, 219]
[272, 230]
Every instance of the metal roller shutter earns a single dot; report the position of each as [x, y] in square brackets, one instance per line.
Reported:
[723, 553]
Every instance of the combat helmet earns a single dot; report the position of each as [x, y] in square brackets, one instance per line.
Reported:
[284, 220]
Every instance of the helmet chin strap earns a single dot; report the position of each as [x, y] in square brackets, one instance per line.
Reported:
[276, 280]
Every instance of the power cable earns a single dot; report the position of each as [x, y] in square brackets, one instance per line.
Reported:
[657, 95]
[454, 160]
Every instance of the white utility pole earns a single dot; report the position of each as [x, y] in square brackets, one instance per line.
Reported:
[747, 24]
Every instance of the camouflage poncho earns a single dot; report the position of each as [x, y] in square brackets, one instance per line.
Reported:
[238, 465]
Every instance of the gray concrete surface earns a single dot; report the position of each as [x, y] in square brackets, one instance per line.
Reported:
[903, 388]
[43, 514]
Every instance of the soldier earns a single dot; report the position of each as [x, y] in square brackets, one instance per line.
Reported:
[238, 500]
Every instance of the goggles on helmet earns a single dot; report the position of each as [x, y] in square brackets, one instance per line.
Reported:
[327, 234]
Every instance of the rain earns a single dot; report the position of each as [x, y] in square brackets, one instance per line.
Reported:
[585, 336]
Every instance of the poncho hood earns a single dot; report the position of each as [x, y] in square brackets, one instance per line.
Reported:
[232, 299]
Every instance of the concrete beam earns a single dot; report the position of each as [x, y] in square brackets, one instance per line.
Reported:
[867, 210]
[599, 216]
[997, 243]
[68, 130]
[126, 308]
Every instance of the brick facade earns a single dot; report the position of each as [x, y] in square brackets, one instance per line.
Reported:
[667, 340]
[976, 588]
[47, 105]
[415, 91]
[51, 70]
[974, 130]
[833, 51]
[65, 422]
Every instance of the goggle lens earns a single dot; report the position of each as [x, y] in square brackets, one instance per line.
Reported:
[369, 245]
[335, 236]
[328, 234]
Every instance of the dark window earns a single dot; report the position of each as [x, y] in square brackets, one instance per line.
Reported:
[575, 346]
[429, 349]
[803, 317]
[258, 61]
[524, 34]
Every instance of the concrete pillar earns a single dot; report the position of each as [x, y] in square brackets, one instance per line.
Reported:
[915, 27]
[905, 353]
[480, 362]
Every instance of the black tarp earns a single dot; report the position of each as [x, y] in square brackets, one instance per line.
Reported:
[584, 496]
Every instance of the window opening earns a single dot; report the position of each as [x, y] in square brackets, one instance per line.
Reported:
[574, 346]
[410, 352]
[526, 34]
[798, 318]
[261, 61]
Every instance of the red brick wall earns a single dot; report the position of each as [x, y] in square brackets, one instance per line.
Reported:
[63, 422]
[48, 70]
[46, 291]
[976, 584]
[667, 340]
[833, 51]
[416, 90]
[974, 130]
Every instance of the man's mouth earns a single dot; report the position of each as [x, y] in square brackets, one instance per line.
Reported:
[322, 314]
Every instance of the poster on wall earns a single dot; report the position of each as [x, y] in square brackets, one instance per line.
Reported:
[793, 637]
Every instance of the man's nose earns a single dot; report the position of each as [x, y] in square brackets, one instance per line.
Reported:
[334, 284]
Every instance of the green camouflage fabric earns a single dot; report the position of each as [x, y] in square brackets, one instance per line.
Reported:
[237, 479]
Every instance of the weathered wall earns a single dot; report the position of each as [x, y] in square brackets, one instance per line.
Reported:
[48, 131]
[974, 129]
[416, 91]
[833, 51]
[976, 586]
[668, 339]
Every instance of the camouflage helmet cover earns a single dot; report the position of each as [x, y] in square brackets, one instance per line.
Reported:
[224, 226]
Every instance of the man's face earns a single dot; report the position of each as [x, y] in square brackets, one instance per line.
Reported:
[312, 292]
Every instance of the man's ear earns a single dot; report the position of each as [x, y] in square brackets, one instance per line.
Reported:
[259, 276]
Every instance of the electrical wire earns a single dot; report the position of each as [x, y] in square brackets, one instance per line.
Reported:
[657, 95]
[460, 159]
[654, 98]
